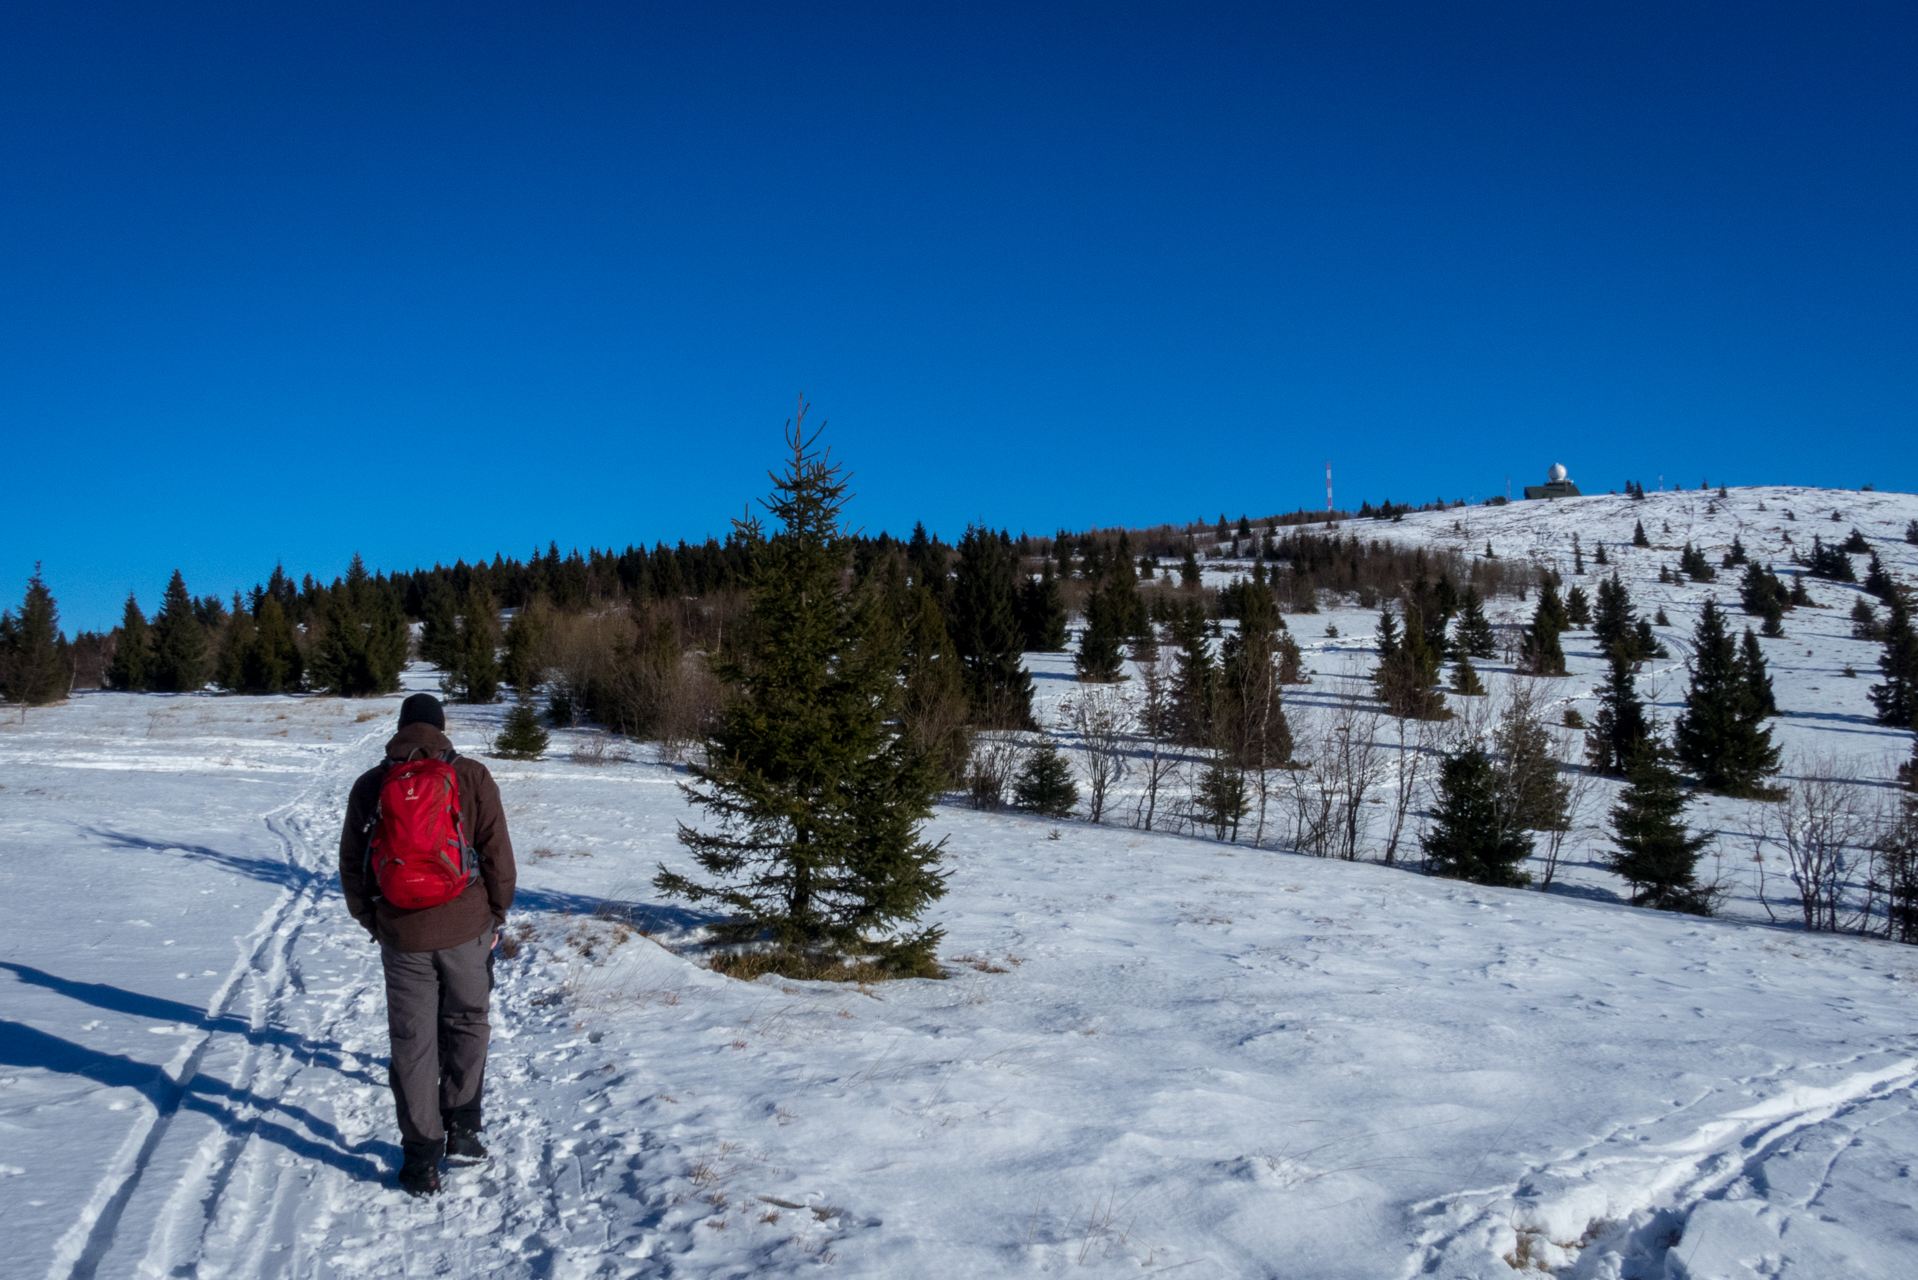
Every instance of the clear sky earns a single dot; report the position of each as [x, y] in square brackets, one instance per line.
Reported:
[287, 280]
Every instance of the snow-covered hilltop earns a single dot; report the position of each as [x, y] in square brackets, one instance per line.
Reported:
[1155, 1052]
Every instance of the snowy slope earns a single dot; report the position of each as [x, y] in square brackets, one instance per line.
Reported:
[1156, 1052]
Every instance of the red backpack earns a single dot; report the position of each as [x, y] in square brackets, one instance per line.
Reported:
[418, 852]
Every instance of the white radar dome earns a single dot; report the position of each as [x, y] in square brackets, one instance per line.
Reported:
[1556, 474]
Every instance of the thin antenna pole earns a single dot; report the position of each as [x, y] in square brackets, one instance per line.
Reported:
[1328, 488]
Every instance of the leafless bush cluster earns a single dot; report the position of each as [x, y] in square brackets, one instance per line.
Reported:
[1829, 830]
[995, 759]
[1342, 762]
[1102, 717]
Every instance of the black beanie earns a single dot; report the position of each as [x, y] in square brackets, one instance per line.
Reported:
[423, 708]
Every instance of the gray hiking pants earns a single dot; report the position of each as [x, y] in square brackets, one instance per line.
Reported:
[436, 1018]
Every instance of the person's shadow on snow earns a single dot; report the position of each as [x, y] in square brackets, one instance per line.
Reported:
[23, 1046]
[119, 1000]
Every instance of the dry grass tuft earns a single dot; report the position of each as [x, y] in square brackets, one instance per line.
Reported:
[805, 966]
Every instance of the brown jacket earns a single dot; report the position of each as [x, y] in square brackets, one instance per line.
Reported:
[482, 906]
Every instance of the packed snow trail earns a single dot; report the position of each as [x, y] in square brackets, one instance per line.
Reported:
[240, 1063]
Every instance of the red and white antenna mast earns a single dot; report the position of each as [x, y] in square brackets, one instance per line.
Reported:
[1328, 488]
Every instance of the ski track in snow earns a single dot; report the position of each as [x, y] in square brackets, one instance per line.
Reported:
[1233, 1063]
[263, 975]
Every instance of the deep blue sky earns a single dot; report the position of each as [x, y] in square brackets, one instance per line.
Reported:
[290, 280]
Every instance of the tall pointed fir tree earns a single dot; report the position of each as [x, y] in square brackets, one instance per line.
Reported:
[440, 624]
[273, 663]
[1896, 698]
[1613, 619]
[473, 675]
[1620, 730]
[1721, 736]
[985, 630]
[1195, 678]
[933, 711]
[1042, 613]
[1656, 854]
[132, 664]
[1473, 636]
[1251, 725]
[527, 638]
[229, 670]
[1407, 677]
[1100, 659]
[1542, 654]
[817, 798]
[179, 642]
[362, 645]
[34, 669]
[1475, 833]
[1757, 677]
[1578, 608]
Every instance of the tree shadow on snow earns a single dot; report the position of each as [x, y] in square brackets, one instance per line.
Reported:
[283, 874]
[648, 917]
[23, 1046]
[119, 1000]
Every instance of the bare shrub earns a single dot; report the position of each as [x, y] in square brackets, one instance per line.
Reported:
[995, 758]
[1417, 744]
[1825, 828]
[1158, 762]
[1325, 798]
[1101, 716]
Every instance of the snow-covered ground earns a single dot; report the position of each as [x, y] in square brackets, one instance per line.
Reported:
[1154, 1052]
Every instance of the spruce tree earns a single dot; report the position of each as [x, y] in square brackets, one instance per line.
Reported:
[1897, 697]
[521, 736]
[1877, 581]
[1721, 736]
[1250, 724]
[1543, 655]
[1578, 608]
[985, 630]
[1195, 679]
[440, 625]
[229, 670]
[273, 662]
[1042, 609]
[179, 642]
[933, 710]
[363, 641]
[1044, 785]
[1407, 677]
[1465, 679]
[1757, 678]
[527, 638]
[1638, 534]
[132, 665]
[474, 673]
[1474, 835]
[1220, 800]
[1099, 659]
[34, 669]
[1620, 729]
[817, 797]
[1656, 854]
[1474, 636]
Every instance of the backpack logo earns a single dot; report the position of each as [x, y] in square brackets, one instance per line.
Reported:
[417, 851]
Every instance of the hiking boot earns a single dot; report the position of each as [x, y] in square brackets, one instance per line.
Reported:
[463, 1145]
[420, 1173]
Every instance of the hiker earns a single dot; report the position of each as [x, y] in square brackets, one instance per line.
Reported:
[431, 884]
